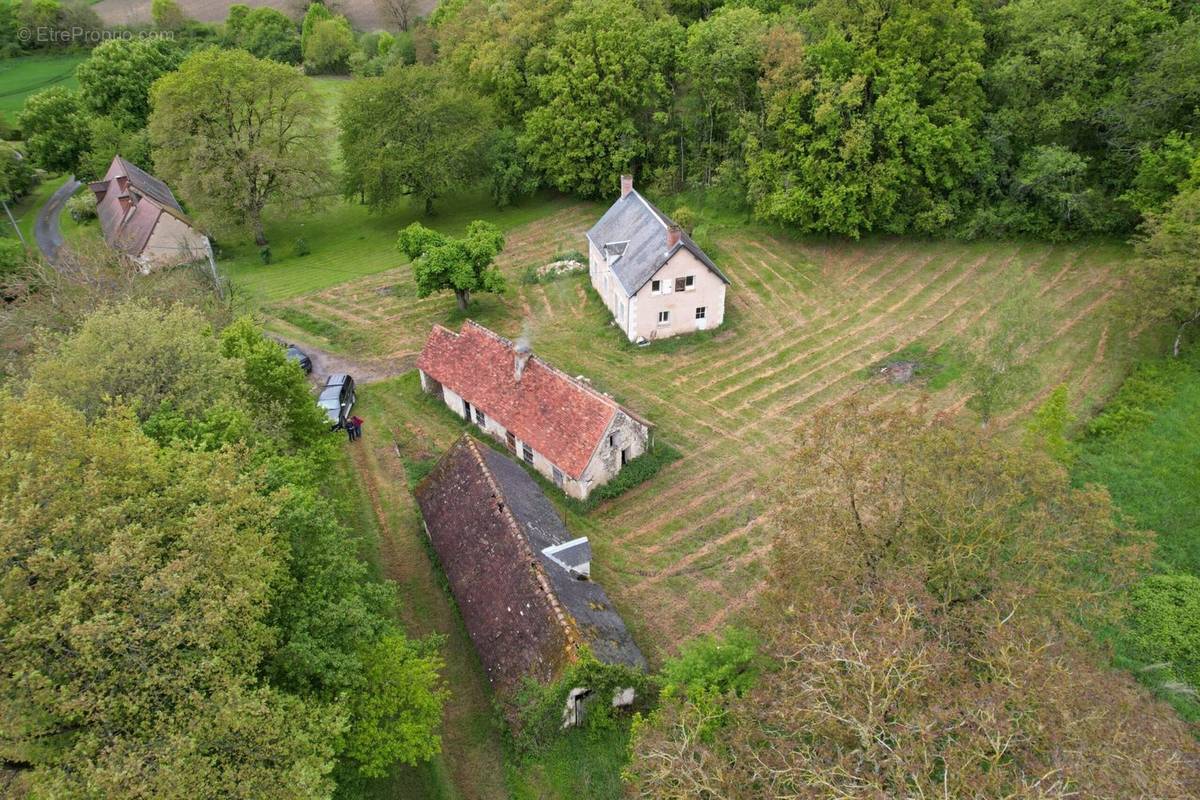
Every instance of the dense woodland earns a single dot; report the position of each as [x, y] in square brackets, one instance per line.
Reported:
[184, 610]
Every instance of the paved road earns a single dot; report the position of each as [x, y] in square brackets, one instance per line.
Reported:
[45, 227]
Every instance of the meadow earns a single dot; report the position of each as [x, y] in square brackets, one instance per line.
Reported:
[808, 324]
[21, 77]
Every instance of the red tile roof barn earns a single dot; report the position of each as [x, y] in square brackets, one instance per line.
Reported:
[558, 416]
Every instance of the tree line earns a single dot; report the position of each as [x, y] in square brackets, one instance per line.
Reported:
[183, 607]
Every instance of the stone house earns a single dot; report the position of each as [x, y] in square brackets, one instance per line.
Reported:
[141, 218]
[654, 279]
[522, 583]
[576, 436]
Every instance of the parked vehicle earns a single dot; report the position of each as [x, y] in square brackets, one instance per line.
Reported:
[337, 399]
[300, 357]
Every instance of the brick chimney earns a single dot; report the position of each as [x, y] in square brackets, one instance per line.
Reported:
[673, 234]
[626, 184]
[519, 361]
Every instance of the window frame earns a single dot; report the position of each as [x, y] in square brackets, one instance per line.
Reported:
[480, 417]
[558, 476]
[701, 312]
[689, 283]
[656, 287]
[664, 317]
[526, 453]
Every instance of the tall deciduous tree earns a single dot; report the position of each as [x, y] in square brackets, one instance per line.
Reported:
[56, 127]
[603, 99]
[117, 76]
[263, 32]
[411, 132]
[872, 118]
[921, 613]
[233, 133]
[462, 265]
[1166, 274]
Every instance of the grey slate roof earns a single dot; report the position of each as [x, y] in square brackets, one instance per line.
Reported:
[635, 223]
[599, 624]
[149, 185]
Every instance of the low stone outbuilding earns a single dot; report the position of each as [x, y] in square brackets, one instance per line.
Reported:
[141, 218]
[656, 281]
[522, 582]
[576, 436]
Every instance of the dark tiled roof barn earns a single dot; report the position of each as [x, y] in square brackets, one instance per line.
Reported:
[526, 612]
[558, 416]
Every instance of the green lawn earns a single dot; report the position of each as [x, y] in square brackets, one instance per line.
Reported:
[1150, 463]
[21, 77]
[347, 242]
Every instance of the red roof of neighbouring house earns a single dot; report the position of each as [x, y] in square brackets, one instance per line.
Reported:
[558, 416]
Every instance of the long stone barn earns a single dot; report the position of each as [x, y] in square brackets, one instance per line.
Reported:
[522, 583]
[576, 436]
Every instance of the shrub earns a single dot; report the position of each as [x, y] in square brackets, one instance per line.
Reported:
[301, 247]
[264, 254]
[1048, 428]
[1166, 622]
[537, 709]
[637, 471]
[82, 207]
[12, 256]
[721, 664]
[685, 218]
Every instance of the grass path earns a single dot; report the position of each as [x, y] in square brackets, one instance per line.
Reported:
[471, 765]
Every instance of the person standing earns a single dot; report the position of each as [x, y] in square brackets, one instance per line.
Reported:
[356, 424]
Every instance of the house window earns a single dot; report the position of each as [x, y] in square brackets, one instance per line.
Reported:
[511, 441]
[664, 318]
[680, 284]
[656, 287]
[701, 312]
[612, 440]
[466, 410]
[479, 417]
[689, 282]
[527, 453]
[558, 476]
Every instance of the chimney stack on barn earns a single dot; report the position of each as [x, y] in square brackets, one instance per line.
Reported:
[626, 184]
[673, 234]
[519, 361]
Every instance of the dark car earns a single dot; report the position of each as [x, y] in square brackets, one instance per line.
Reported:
[300, 357]
[337, 399]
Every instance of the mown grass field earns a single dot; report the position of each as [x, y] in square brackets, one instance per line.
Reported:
[683, 553]
[21, 77]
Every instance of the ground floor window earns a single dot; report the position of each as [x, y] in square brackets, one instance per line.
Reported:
[527, 453]
[558, 477]
[511, 441]
[664, 318]
[701, 312]
[479, 417]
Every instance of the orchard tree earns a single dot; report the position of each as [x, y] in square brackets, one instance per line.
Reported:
[56, 128]
[233, 133]
[411, 132]
[116, 78]
[462, 265]
[604, 95]
[1002, 365]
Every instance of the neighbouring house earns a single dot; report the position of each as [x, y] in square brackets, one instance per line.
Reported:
[141, 218]
[576, 436]
[522, 583]
[654, 279]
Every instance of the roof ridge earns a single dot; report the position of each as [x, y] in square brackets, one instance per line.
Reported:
[609, 400]
[505, 509]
